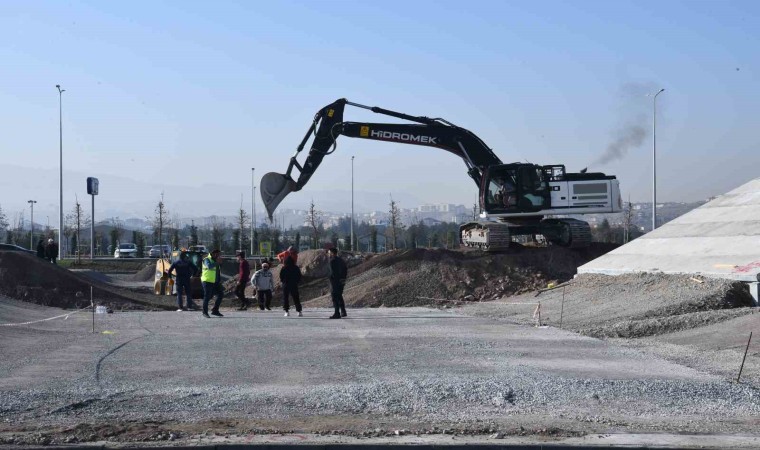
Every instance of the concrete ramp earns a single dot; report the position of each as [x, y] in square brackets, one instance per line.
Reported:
[720, 239]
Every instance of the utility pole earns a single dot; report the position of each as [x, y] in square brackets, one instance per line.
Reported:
[654, 160]
[60, 168]
[253, 199]
[31, 233]
[254, 210]
[352, 203]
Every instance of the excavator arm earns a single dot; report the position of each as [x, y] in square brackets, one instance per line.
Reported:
[328, 124]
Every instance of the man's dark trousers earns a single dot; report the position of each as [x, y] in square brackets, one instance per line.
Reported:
[240, 294]
[336, 292]
[183, 287]
[209, 289]
[287, 291]
[265, 298]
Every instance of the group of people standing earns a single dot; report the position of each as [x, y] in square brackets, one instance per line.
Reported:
[47, 251]
[262, 282]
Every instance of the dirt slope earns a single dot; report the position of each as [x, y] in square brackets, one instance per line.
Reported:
[428, 277]
[28, 278]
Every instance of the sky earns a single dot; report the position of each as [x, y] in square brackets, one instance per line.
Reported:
[186, 97]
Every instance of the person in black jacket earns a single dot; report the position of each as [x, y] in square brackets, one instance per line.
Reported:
[185, 271]
[51, 251]
[338, 275]
[41, 249]
[290, 276]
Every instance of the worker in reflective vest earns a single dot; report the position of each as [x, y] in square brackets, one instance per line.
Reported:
[211, 279]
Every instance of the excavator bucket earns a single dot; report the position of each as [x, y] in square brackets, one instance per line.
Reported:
[274, 188]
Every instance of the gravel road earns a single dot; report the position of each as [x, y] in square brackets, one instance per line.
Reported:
[154, 375]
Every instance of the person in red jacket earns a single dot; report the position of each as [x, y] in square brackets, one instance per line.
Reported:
[244, 274]
[291, 252]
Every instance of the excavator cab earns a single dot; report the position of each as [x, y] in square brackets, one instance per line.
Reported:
[515, 188]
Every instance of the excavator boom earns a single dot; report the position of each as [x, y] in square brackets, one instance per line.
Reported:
[328, 124]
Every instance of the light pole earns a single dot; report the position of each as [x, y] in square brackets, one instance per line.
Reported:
[60, 168]
[253, 214]
[31, 233]
[352, 203]
[654, 159]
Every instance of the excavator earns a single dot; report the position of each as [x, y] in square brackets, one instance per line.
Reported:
[515, 198]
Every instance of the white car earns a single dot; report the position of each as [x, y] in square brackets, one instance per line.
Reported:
[198, 248]
[125, 251]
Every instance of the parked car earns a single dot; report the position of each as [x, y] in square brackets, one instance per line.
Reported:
[15, 248]
[158, 251]
[198, 248]
[125, 251]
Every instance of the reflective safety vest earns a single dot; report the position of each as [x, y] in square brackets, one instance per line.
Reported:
[208, 275]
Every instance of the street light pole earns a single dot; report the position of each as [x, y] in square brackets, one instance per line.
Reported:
[654, 159]
[31, 233]
[60, 169]
[253, 199]
[352, 203]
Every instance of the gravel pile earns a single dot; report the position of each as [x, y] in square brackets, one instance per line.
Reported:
[631, 306]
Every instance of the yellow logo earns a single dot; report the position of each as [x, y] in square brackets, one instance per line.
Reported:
[364, 131]
[330, 112]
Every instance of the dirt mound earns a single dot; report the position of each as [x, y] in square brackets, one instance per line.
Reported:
[31, 279]
[147, 273]
[423, 277]
[632, 305]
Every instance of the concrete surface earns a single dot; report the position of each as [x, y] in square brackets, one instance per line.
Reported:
[380, 370]
[719, 239]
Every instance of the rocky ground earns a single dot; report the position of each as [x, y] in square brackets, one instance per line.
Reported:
[660, 354]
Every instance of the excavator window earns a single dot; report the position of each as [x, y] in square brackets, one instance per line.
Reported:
[502, 191]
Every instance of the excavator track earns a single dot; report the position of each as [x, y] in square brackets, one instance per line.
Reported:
[572, 233]
[486, 236]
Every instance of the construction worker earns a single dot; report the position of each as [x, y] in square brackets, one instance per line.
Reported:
[291, 252]
[244, 274]
[290, 276]
[211, 279]
[338, 275]
[184, 270]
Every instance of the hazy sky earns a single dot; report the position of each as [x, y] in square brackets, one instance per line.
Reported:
[197, 93]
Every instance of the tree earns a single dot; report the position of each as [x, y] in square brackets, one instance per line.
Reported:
[298, 240]
[139, 240]
[243, 224]
[175, 239]
[217, 232]
[236, 239]
[315, 223]
[193, 234]
[3, 223]
[160, 220]
[373, 239]
[77, 219]
[395, 223]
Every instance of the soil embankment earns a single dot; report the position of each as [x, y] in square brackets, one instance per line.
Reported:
[28, 278]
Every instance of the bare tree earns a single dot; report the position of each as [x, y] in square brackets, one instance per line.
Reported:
[217, 232]
[77, 219]
[160, 220]
[315, 221]
[627, 219]
[395, 225]
[243, 223]
[3, 222]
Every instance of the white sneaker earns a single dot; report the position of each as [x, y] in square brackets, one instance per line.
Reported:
[300, 314]
[287, 314]
[179, 310]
